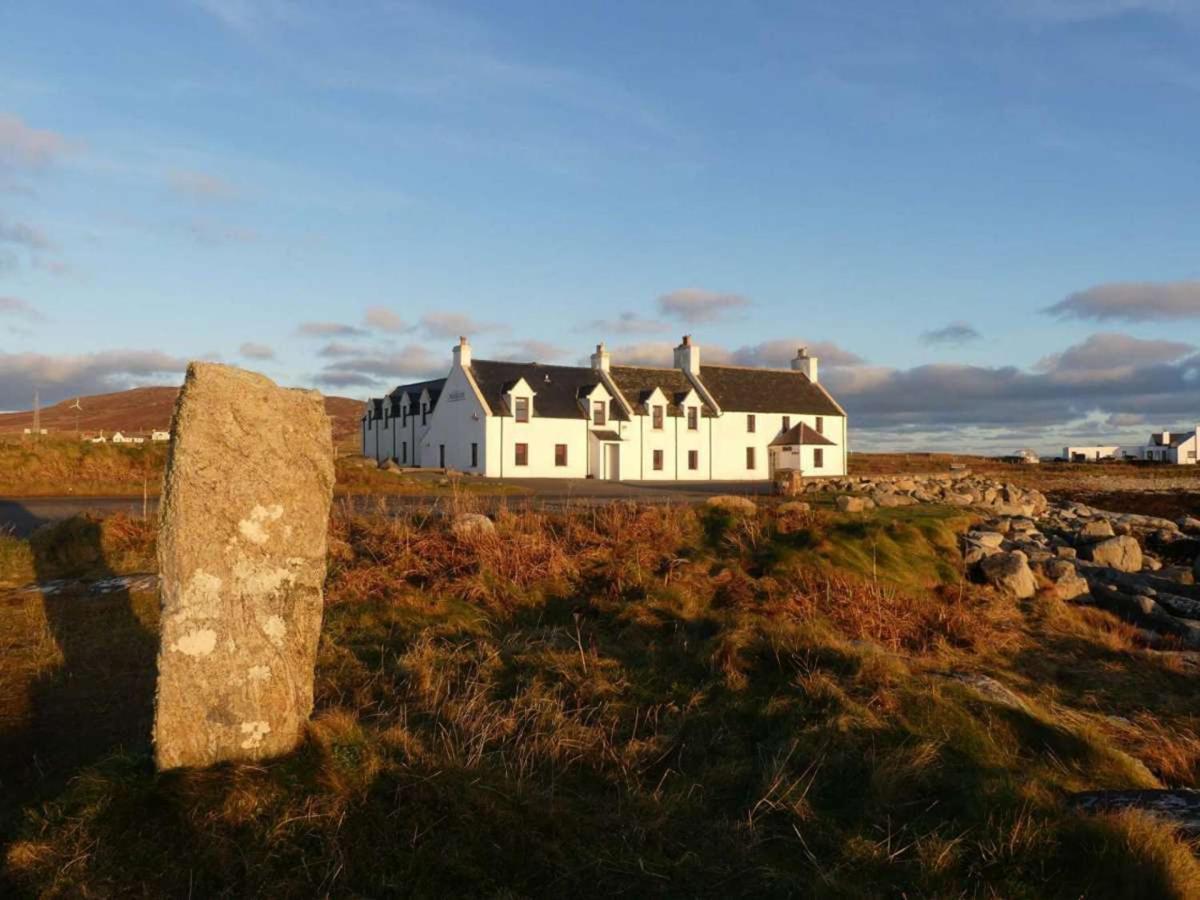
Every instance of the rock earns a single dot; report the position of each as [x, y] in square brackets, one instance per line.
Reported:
[1179, 807]
[886, 500]
[469, 525]
[1121, 553]
[390, 465]
[1189, 524]
[1066, 552]
[241, 555]
[849, 504]
[1010, 573]
[990, 539]
[792, 507]
[739, 506]
[991, 689]
[959, 499]
[1096, 529]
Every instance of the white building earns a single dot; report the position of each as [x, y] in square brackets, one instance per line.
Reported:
[1175, 447]
[160, 436]
[1090, 454]
[634, 423]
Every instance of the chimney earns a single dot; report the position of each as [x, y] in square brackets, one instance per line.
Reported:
[687, 356]
[601, 360]
[462, 353]
[806, 364]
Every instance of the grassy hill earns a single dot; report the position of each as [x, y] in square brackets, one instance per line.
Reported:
[644, 702]
[146, 408]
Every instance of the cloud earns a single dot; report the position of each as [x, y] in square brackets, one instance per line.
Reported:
[251, 16]
[251, 350]
[1132, 301]
[1113, 353]
[645, 353]
[779, 353]
[532, 350]
[452, 325]
[24, 146]
[200, 185]
[696, 305]
[337, 349]
[412, 362]
[329, 330]
[384, 319]
[23, 235]
[59, 377]
[1125, 420]
[955, 334]
[19, 309]
[625, 323]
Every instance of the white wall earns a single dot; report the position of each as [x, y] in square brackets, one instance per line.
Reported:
[457, 421]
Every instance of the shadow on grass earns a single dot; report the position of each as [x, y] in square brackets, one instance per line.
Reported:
[90, 673]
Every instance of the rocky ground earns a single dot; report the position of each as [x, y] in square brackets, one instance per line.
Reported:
[1142, 568]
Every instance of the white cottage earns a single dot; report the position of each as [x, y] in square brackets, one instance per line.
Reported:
[1176, 447]
[691, 422]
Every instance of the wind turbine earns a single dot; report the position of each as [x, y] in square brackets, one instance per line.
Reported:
[78, 409]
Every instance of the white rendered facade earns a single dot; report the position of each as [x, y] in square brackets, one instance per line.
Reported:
[629, 423]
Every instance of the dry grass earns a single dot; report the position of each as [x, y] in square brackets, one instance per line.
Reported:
[643, 701]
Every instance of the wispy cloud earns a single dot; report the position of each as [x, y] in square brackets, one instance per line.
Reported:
[624, 324]
[200, 185]
[329, 330]
[61, 376]
[697, 305]
[24, 146]
[16, 308]
[410, 361]
[452, 325]
[1114, 353]
[533, 350]
[955, 334]
[384, 319]
[23, 235]
[1132, 301]
[251, 350]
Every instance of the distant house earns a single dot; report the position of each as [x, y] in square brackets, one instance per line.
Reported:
[38, 431]
[1090, 454]
[159, 436]
[1175, 447]
[1023, 457]
[119, 438]
[97, 439]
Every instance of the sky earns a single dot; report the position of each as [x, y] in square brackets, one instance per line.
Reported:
[981, 215]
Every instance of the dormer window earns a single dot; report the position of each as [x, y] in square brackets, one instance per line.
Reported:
[599, 413]
[750, 426]
[656, 416]
[424, 413]
[693, 414]
[820, 424]
[521, 409]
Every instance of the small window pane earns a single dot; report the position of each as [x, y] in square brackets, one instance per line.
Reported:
[751, 424]
[658, 417]
[560, 454]
[522, 409]
[658, 460]
[693, 418]
[693, 459]
[818, 458]
[598, 413]
[820, 424]
[522, 454]
[749, 457]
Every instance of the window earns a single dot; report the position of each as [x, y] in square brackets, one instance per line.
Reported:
[658, 460]
[656, 416]
[474, 456]
[424, 413]
[404, 451]
[820, 424]
[693, 418]
[404, 416]
[441, 456]
[749, 457]
[751, 424]
[599, 416]
[693, 459]
[522, 454]
[818, 457]
[560, 455]
[787, 422]
[522, 409]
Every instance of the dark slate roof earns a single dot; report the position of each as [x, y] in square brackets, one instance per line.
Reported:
[637, 383]
[557, 389]
[802, 434]
[1174, 438]
[434, 385]
[740, 389]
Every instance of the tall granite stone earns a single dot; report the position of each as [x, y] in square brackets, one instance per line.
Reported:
[241, 554]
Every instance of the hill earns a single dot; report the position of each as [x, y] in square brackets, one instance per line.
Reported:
[145, 408]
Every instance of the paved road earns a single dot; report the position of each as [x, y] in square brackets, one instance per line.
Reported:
[20, 516]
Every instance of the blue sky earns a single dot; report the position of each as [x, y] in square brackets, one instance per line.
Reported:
[981, 213]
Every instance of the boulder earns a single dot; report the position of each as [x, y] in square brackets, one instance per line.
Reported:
[1189, 524]
[989, 539]
[390, 465]
[738, 506]
[1096, 529]
[1010, 573]
[469, 525]
[1121, 553]
[791, 507]
[848, 504]
[241, 557]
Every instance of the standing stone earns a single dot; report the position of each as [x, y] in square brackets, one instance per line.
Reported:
[241, 555]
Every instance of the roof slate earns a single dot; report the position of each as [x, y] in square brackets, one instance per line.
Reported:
[637, 383]
[766, 390]
[802, 434]
[557, 389]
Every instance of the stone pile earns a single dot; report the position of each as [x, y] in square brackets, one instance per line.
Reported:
[1143, 568]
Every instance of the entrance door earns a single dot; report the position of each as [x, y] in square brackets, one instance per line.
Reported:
[613, 454]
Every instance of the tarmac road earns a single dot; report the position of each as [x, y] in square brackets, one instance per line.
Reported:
[22, 515]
